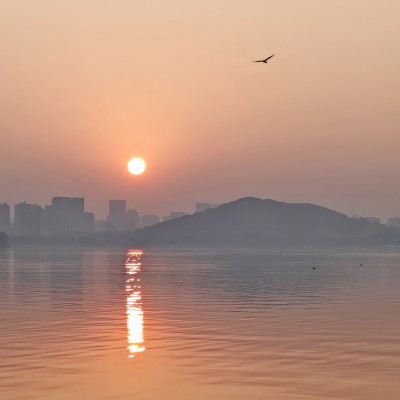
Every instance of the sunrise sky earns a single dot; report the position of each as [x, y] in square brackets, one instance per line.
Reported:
[88, 84]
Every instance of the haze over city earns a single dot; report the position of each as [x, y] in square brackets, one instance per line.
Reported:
[199, 199]
[87, 85]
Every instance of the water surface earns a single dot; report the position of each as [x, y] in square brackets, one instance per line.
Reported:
[110, 324]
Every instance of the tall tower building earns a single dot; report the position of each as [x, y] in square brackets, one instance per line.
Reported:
[66, 216]
[78, 214]
[89, 222]
[61, 215]
[132, 220]
[28, 219]
[116, 209]
[4, 217]
[117, 213]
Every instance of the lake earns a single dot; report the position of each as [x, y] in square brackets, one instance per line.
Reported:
[116, 324]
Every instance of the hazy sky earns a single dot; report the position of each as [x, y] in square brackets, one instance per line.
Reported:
[87, 84]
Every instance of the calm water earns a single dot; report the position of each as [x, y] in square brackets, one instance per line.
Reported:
[77, 324]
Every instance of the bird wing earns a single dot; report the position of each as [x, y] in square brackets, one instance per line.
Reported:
[259, 61]
[269, 57]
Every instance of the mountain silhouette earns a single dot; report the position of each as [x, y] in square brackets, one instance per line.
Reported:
[252, 222]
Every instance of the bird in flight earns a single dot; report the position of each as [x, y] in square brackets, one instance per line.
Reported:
[265, 60]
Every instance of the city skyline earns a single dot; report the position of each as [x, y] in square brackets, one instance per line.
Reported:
[119, 215]
[68, 216]
[196, 207]
[174, 84]
[100, 208]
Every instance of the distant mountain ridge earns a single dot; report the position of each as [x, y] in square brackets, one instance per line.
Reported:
[255, 222]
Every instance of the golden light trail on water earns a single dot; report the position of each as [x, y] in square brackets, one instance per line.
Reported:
[134, 310]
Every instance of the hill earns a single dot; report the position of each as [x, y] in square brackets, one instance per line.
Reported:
[252, 222]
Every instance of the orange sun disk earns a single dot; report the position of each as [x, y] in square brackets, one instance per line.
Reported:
[136, 166]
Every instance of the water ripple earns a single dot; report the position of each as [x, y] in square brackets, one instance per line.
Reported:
[220, 325]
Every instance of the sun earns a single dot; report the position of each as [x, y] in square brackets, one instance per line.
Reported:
[136, 166]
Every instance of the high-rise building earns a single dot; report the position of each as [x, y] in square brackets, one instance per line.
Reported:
[61, 212]
[66, 216]
[116, 213]
[78, 214]
[88, 222]
[150, 220]
[47, 221]
[132, 220]
[4, 217]
[116, 210]
[27, 221]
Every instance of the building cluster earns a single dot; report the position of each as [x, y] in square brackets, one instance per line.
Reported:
[122, 219]
[66, 217]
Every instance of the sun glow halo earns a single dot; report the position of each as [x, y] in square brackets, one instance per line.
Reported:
[136, 166]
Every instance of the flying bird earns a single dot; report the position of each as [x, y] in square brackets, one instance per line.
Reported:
[265, 60]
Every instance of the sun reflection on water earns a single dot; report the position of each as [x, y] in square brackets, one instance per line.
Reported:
[134, 310]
